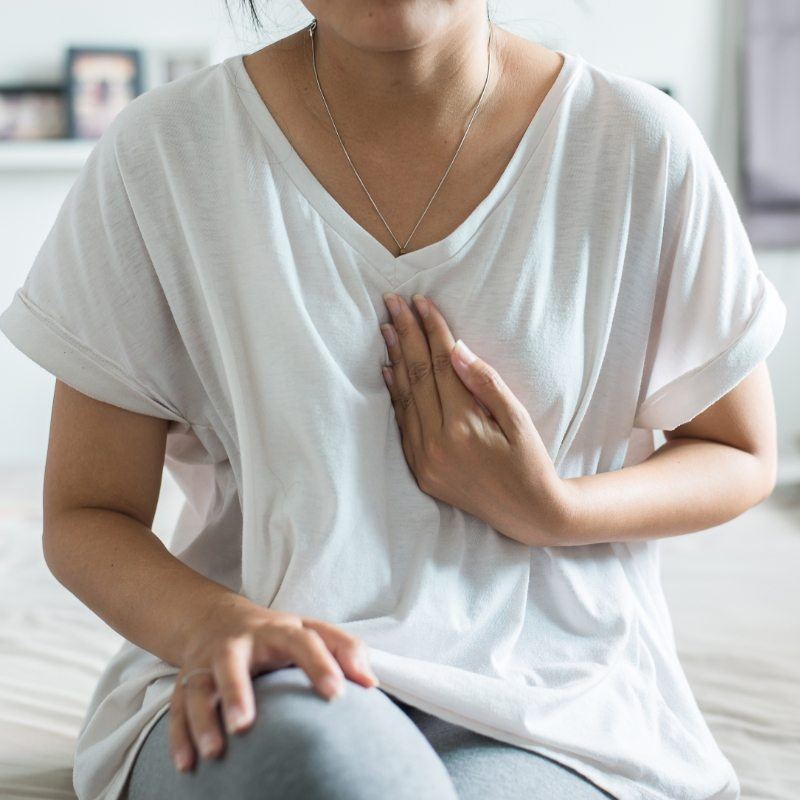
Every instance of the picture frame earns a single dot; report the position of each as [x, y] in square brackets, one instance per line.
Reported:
[176, 65]
[100, 82]
[165, 64]
[32, 112]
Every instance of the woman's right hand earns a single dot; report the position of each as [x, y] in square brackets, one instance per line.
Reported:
[238, 640]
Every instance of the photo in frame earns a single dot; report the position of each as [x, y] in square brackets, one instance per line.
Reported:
[32, 112]
[100, 82]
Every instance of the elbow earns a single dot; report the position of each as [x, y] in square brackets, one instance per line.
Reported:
[49, 542]
[53, 538]
[765, 474]
[769, 486]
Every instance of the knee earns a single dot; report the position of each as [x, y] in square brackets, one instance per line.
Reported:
[304, 746]
[300, 746]
[318, 738]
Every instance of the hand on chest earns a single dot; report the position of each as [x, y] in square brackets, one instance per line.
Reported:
[323, 347]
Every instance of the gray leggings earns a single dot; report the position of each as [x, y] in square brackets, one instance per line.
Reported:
[364, 745]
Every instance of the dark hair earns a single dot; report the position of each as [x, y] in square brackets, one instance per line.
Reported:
[250, 7]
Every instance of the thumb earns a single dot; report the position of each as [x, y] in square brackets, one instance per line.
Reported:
[488, 387]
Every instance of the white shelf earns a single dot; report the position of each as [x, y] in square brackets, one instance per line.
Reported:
[45, 155]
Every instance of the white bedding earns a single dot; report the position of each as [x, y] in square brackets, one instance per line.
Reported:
[734, 593]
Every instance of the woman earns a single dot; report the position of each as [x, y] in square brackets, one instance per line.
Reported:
[482, 534]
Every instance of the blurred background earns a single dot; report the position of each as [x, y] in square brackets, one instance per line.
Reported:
[67, 68]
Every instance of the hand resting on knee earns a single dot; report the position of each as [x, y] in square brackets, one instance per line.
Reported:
[235, 644]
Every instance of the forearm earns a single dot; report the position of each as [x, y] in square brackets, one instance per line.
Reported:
[686, 485]
[121, 570]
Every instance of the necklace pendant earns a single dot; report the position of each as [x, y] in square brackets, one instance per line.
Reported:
[402, 250]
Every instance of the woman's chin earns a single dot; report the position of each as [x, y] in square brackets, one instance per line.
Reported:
[385, 26]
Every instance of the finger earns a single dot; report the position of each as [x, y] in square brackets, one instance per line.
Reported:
[453, 394]
[235, 684]
[405, 408]
[180, 741]
[416, 359]
[393, 353]
[486, 384]
[410, 434]
[350, 651]
[308, 651]
[201, 711]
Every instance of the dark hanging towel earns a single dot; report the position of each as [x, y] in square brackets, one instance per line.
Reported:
[771, 122]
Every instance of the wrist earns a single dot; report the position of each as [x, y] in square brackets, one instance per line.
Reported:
[557, 524]
[217, 607]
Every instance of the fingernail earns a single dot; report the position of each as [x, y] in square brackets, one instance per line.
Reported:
[333, 687]
[371, 675]
[208, 744]
[387, 375]
[389, 335]
[392, 301]
[182, 761]
[421, 304]
[362, 662]
[463, 352]
[235, 719]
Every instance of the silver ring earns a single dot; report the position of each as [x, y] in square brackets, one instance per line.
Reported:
[185, 678]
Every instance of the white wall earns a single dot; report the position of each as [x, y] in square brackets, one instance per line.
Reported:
[687, 45]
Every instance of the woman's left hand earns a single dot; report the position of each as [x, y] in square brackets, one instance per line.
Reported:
[493, 465]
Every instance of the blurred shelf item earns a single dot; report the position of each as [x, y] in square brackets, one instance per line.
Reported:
[44, 155]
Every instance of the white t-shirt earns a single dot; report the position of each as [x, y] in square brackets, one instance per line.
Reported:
[199, 272]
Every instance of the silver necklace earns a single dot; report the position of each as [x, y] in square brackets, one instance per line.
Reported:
[474, 112]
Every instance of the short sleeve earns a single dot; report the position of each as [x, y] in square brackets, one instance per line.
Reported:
[715, 315]
[92, 310]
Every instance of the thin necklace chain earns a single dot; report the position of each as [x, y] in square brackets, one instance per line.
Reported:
[474, 112]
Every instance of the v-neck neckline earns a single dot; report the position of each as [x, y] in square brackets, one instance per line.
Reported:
[396, 269]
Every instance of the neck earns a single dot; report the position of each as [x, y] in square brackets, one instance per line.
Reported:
[376, 93]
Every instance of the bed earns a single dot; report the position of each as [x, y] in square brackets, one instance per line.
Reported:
[734, 593]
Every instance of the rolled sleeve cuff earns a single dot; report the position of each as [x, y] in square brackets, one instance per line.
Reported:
[50, 345]
[686, 396]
